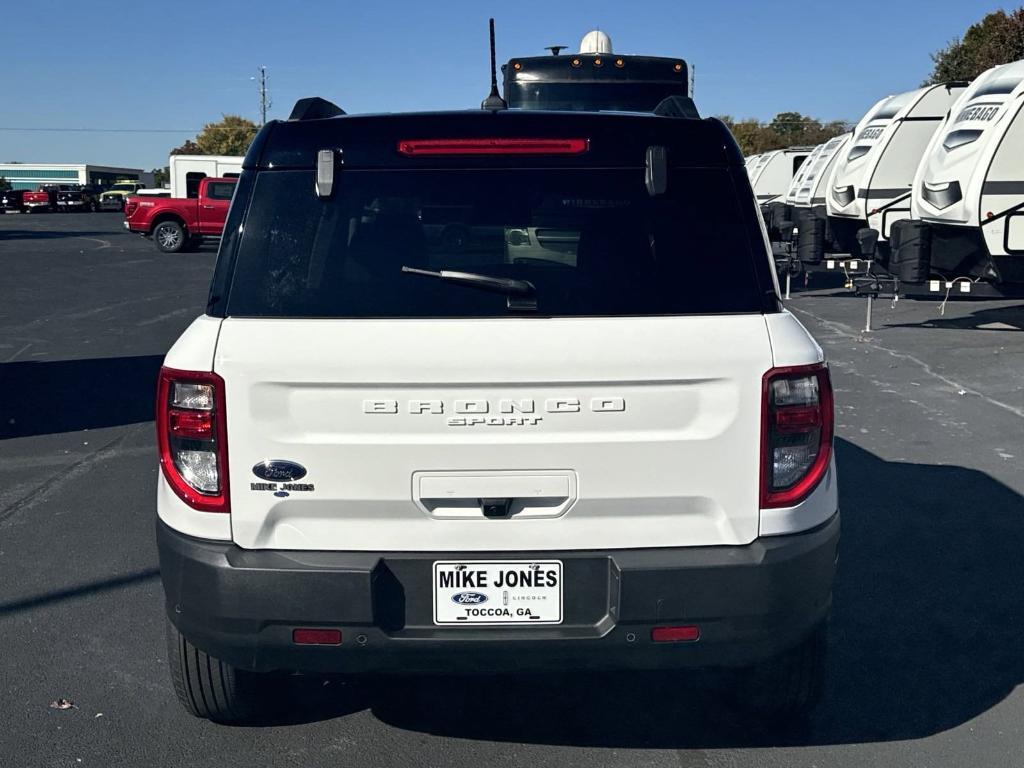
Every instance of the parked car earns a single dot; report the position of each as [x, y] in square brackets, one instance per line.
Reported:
[12, 200]
[613, 453]
[181, 223]
[39, 200]
[113, 198]
[78, 199]
[45, 198]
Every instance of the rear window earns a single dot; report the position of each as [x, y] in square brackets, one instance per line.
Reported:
[220, 190]
[592, 242]
[625, 96]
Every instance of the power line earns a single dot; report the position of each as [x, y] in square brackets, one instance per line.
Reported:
[35, 129]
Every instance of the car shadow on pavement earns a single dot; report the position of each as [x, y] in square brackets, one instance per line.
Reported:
[985, 319]
[47, 234]
[46, 397]
[926, 634]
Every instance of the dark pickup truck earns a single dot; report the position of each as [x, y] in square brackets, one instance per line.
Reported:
[12, 200]
[78, 199]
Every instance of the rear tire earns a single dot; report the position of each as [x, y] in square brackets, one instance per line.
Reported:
[212, 689]
[169, 236]
[789, 686]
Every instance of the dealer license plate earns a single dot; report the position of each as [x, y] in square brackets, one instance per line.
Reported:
[498, 592]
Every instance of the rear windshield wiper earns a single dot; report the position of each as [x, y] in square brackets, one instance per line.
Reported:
[521, 293]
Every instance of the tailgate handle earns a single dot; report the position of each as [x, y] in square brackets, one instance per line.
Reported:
[494, 495]
[451, 487]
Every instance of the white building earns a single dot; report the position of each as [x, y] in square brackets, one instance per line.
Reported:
[31, 175]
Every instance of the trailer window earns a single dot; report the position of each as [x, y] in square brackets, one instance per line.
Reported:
[593, 242]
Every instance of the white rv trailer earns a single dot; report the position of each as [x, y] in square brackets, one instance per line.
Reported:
[753, 165]
[968, 194]
[808, 212]
[870, 186]
[812, 188]
[186, 171]
[801, 174]
[775, 171]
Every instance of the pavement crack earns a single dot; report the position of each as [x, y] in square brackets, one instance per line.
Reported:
[66, 474]
[847, 332]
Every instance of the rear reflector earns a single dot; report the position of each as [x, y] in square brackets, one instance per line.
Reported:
[426, 147]
[687, 634]
[316, 636]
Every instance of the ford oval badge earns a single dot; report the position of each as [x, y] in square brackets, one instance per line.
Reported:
[469, 598]
[279, 471]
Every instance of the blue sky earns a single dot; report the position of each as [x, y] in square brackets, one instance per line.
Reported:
[147, 65]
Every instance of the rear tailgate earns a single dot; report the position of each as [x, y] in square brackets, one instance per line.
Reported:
[604, 433]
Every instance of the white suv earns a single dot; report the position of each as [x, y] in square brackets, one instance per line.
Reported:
[382, 453]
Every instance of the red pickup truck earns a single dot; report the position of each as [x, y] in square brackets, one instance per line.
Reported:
[180, 223]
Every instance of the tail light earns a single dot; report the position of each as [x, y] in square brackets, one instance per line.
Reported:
[192, 436]
[129, 208]
[495, 146]
[796, 433]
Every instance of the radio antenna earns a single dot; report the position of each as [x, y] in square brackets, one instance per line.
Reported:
[493, 102]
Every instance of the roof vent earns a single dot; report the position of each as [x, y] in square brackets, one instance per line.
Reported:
[596, 42]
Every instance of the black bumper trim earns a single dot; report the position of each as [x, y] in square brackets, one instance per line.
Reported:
[751, 603]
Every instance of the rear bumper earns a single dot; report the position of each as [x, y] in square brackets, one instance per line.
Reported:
[750, 602]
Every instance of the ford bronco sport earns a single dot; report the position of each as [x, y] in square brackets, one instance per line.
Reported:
[586, 436]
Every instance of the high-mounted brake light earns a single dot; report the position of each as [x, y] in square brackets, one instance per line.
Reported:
[496, 146]
[796, 433]
[191, 429]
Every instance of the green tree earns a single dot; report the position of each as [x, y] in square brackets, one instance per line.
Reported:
[230, 136]
[188, 148]
[997, 39]
[4, 184]
[161, 175]
[787, 129]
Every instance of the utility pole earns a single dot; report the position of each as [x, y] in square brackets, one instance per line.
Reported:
[265, 103]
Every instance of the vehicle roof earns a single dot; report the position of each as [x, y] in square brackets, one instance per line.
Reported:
[616, 138]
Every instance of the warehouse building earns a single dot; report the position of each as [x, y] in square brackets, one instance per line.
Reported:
[31, 175]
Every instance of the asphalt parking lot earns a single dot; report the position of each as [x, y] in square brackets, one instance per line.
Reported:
[926, 639]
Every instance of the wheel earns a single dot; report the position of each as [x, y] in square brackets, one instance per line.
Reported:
[210, 688]
[169, 236]
[789, 686]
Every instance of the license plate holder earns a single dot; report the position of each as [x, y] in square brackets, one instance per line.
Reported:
[497, 592]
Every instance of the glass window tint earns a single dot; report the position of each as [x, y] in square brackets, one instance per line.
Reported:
[220, 190]
[592, 242]
[192, 179]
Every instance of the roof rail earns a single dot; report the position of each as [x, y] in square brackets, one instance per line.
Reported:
[314, 108]
[677, 106]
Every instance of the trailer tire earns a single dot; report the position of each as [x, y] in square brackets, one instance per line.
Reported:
[169, 236]
[788, 686]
